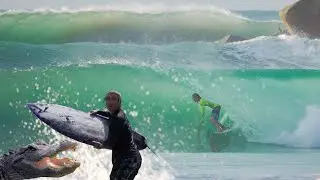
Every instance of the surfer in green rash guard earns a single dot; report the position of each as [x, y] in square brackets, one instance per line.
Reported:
[215, 113]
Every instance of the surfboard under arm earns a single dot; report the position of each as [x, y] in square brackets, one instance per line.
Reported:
[79, 125]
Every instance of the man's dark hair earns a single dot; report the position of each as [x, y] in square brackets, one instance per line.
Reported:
[113, 92]
[195, 95]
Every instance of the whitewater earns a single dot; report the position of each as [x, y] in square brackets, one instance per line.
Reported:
[267, 85]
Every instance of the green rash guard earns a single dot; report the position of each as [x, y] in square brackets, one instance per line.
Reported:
[203, 102]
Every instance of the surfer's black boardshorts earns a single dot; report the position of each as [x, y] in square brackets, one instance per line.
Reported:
[126, 168]
[215, 113]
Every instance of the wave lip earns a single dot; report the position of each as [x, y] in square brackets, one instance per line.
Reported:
[264, 52]
[111, 25]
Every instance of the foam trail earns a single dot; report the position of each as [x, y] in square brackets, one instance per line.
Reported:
[307, 133]
[251, 54]
[260, 52]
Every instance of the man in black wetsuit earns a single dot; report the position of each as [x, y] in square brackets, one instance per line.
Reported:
[126, 158]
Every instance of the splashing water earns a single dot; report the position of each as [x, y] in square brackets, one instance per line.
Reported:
[96, 164]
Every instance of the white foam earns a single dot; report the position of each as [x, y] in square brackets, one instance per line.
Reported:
[135, 7]
[281, 51]
[307, 133]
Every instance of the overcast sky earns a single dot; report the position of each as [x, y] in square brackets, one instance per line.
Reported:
[74, 4]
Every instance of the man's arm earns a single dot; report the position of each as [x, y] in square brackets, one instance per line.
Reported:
[202, 111]
[101, 113]
[117, 127]
[213, 105]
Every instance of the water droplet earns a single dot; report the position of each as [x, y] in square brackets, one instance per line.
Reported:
[134, 113]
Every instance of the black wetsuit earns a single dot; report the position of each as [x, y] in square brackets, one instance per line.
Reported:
[126, 158]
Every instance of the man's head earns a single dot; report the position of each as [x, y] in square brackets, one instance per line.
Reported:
[196, 97]
[113, 101]
[40, 160]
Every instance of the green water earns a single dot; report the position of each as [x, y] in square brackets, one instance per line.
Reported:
[263, 103]
[268, 87]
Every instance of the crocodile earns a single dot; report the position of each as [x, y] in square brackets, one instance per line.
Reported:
[38, 159]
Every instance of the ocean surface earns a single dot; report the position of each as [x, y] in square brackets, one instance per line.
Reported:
[268, 87]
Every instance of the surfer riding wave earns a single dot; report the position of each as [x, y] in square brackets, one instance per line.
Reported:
[215, 114]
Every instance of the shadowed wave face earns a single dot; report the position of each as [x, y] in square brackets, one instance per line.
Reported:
[159, 104]
[124, 26]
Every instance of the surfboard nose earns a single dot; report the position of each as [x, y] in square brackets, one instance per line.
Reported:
[28, 105]
[34, 108]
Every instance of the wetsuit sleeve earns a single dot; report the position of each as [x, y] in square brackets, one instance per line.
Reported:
[117, 127]
[103, 113]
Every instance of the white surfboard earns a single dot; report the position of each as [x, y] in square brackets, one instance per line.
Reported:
[78, 125]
